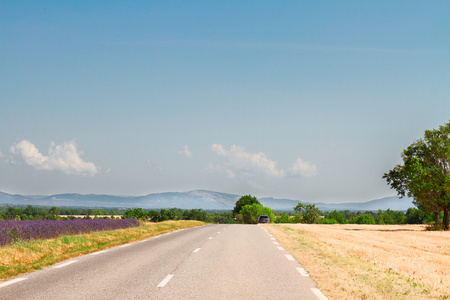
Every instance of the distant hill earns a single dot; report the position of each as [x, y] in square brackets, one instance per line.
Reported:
[193, 199]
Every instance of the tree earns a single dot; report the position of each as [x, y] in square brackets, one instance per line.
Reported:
[415, 216]
[243, 201]
[425, 173]
[54, 211]
[30, 210]
[136, 213]
[250, 213]
[309, 212]
[337, 216]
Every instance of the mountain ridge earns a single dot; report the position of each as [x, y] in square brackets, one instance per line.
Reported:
[199, 199]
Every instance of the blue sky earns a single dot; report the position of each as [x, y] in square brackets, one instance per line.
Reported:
[311, 101]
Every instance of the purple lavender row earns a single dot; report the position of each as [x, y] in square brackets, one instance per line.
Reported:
[11, 231]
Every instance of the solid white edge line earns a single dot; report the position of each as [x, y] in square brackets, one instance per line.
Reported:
[302, 272]
[289, 257]
[165, 280]
[99, 252]
[12, 281]
[319, 294]
[196, 250]
[65, 264]
[124, 245]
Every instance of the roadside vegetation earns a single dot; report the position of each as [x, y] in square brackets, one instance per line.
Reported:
[26, 256]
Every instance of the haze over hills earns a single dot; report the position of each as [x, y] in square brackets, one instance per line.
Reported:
[193, 199]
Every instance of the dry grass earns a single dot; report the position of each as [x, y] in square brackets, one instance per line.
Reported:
[371, 261]
[28, 256]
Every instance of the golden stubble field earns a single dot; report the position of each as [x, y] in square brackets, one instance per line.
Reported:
[371, 261]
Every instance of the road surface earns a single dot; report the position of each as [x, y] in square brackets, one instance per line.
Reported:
[207, 262]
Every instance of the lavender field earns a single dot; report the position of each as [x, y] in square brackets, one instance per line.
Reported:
[11, 231]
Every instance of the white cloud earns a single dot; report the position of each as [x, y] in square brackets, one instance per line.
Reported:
[186, 151]
[240, 162]
[303, 168]
[237, 160]
[64, 158]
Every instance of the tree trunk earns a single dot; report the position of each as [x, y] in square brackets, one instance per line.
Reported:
[436, 218]
[446, 218]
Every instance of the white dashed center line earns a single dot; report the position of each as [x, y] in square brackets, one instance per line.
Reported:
[276, 243]
[165, 281]
[196, 250]
[210, 238]
[65, 264]
[280, 248]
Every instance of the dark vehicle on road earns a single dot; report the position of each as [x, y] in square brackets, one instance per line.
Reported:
[263, 219]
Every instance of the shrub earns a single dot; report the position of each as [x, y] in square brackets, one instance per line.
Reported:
[364, 219]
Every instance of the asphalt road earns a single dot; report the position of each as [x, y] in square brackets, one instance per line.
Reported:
[208, 262]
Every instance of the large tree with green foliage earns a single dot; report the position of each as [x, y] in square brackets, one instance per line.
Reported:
[425, 173]
[243, 201]
[250, 213]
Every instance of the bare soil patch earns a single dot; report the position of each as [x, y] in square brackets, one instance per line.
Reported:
[371, 261]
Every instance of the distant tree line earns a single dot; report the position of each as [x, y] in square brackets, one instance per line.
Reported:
[222, 217]
[246, 211]
[52, 213]
[309, 214]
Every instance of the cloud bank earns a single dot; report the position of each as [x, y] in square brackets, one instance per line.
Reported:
[64, 158]
[238, 161]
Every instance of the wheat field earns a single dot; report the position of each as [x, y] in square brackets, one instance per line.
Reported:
[371, 261]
